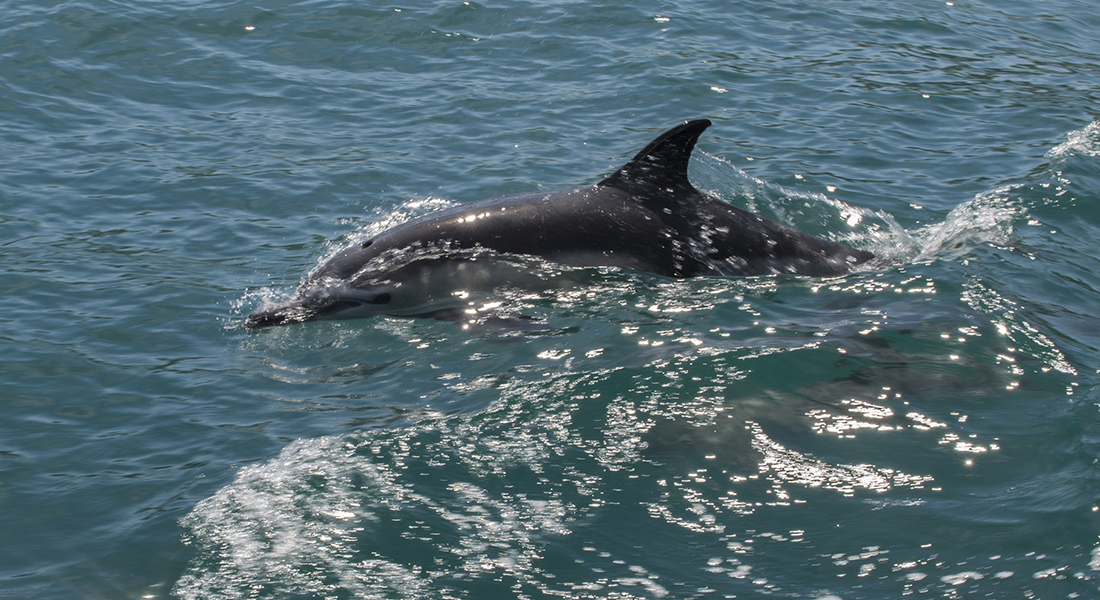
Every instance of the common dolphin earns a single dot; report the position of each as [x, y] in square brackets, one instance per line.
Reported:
[645, 216]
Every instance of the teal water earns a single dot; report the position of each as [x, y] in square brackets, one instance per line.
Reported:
[928, 428]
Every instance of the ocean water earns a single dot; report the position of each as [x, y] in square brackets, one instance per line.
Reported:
[928, 427]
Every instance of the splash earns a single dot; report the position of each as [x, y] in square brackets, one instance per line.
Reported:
[988, 218]
[1083, 142]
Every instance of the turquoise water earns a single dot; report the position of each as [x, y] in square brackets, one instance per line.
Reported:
[926, 428]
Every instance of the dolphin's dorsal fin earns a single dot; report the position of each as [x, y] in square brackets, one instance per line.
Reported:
[663, 164]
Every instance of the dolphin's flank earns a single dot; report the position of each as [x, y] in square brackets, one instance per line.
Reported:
[645, 216]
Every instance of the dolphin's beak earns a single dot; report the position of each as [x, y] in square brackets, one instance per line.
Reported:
[280, 315]
[264, 318]
[297, 312]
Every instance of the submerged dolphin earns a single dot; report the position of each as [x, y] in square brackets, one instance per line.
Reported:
[645, 216]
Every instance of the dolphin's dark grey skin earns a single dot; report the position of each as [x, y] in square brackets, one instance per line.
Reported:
[645, 216]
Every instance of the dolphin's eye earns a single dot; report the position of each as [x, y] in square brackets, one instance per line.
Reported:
[381, 299]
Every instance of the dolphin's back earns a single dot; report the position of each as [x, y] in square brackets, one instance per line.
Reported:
[645, 216]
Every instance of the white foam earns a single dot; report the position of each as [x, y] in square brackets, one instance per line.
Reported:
[1084, 142]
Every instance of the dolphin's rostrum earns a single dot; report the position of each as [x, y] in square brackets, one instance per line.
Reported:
[645, 216]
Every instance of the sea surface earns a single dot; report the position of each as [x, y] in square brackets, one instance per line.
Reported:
[927, 427]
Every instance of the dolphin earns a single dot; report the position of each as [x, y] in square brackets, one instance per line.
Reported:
[646, 216]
